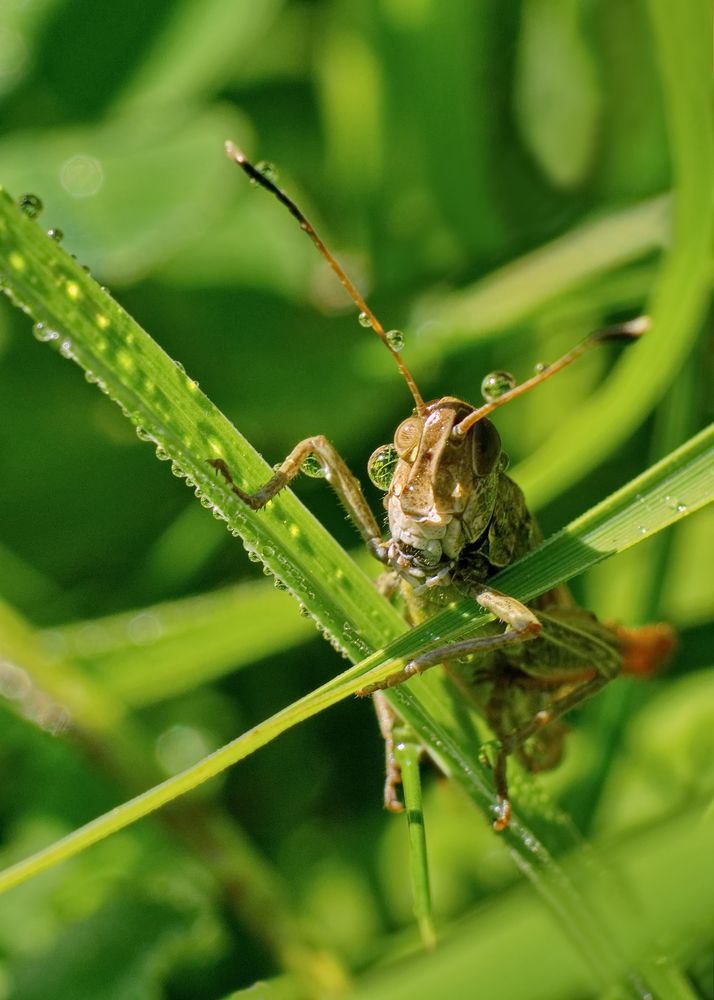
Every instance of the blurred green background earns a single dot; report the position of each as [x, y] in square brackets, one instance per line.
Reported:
[495, 177]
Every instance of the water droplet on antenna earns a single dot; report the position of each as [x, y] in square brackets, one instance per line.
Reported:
[395, 339]
[496, 384]
[267, 170]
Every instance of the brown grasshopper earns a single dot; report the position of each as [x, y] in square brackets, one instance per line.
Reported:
[456, 519]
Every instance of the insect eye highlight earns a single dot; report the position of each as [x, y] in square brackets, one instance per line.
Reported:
[381, 465]
[407, 436]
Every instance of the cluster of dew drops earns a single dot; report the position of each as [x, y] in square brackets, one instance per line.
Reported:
[32, 206]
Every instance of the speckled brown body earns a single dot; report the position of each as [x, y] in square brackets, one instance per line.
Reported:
[455, 520]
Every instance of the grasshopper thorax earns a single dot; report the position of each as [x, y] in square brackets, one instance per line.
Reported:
[442, 490]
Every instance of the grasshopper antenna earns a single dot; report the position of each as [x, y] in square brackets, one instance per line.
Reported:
[631, 330]
[234, 153]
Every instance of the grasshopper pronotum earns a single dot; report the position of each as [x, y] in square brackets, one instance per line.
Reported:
[456, 519]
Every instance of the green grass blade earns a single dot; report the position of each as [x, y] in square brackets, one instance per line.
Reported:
[684, 286]
[502, 949]
[588, 540]
[519, 289]
[407, 752]
[85, 324]
[89, 327]
[189, 642]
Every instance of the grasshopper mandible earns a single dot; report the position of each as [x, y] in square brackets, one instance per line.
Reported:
[455, 519]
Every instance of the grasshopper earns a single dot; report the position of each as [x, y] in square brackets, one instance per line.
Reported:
[455, 519]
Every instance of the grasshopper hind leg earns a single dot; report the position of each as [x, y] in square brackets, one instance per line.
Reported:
[387, 720]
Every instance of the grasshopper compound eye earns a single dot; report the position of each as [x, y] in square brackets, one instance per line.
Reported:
[408, 435]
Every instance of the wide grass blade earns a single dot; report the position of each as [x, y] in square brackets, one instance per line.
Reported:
[86, 325]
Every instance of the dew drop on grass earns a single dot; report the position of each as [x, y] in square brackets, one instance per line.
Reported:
[395, 339]
[44, 333]
[642, 529]
[364, 320]
[30, 204]
[496, 384]
[55, 234]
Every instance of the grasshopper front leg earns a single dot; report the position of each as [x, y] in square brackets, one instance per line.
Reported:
[345, 485]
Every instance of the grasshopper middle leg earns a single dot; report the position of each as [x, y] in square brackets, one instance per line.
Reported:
[522, 623]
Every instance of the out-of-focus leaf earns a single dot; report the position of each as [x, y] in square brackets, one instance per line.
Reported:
[187, 643]
[121, 952]
[200, 48]
[130, 193]
[516, 291]
[502, 947]
[557, 94]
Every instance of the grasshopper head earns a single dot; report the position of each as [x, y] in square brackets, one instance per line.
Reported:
[441, 486]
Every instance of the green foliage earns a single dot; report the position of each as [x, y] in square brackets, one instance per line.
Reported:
[549, 197]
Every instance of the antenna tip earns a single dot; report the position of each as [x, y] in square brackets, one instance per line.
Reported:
[630, 330]
[233, 152]
[636, 327]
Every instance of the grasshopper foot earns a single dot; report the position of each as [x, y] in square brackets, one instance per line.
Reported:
[392, 802]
